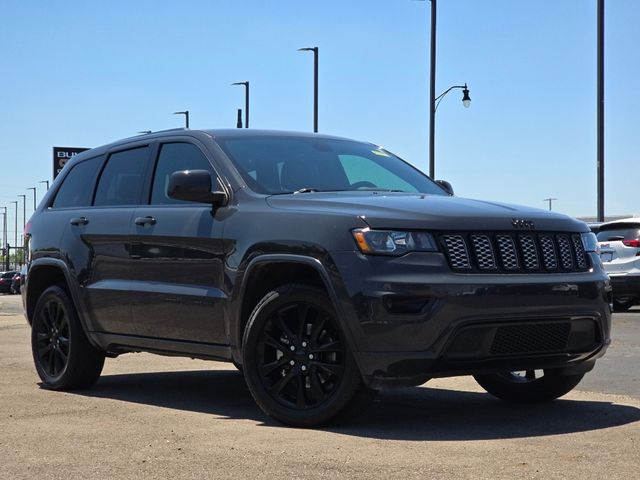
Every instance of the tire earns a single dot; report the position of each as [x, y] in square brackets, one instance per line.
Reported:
[296, 360]
[238, 366]
[64, 358]
[532, 386]
[621, 305]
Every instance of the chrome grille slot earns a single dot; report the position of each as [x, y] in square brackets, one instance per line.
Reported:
[457, 252]
[484, 252]
[508, 254]
[566, 259]
[548, 250]
[529, 252]
[578, 248]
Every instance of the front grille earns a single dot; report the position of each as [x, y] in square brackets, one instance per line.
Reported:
[531, 338]
[482, 252]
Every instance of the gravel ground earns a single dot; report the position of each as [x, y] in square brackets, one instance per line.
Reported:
[161, 417]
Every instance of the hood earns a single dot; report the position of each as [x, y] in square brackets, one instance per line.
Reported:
[421, 211]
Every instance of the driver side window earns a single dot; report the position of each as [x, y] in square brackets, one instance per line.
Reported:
[174, 157]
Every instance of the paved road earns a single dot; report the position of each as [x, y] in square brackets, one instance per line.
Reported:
[161, 417]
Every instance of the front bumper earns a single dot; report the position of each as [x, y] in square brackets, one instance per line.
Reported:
[411, 319]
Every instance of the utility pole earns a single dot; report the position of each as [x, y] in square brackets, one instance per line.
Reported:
[549, 200]
[600, 127]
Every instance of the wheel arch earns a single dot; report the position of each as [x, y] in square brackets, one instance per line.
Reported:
[46, 272]
[266, 272]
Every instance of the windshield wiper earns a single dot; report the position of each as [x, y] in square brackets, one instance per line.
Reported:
[306, 190]
[376, 189]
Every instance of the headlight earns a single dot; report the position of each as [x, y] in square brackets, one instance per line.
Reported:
[590, 242]
[392, 242]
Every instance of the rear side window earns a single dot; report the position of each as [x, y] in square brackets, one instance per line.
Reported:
[173, 158]
[122, 179]
[77, 186]
[619, 231]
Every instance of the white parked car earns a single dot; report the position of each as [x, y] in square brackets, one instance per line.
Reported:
[620, 254]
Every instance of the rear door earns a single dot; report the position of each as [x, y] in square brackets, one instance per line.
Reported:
[178, 268]
[98, 240]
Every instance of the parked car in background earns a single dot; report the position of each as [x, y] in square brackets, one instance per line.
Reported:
[6, 278]
[619, 242]
[594, 227]
[18, 280]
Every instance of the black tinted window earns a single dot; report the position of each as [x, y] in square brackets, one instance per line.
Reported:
[175, 157]
[122, 178]
[77, 186]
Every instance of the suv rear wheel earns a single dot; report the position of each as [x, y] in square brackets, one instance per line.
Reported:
[530, 386]
[63, 356]
[296, 361]
[621, 305]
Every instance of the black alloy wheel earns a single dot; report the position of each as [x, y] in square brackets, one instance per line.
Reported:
[62, 354]
[301, 355]
[296, 360]
[52, 337]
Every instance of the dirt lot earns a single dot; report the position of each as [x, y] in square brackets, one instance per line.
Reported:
[160, 417]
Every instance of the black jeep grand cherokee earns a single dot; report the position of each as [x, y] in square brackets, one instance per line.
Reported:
[324, 268]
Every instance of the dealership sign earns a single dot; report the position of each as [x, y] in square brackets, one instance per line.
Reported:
[61, 155]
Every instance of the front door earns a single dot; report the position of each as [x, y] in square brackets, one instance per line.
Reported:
[178, 288]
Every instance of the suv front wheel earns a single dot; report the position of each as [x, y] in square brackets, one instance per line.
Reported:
[63, 356]
[296, 360]
[530, 386]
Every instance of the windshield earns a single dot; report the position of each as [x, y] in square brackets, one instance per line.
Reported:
[287, 164]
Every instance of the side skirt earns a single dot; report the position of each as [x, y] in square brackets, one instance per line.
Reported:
[118, 344]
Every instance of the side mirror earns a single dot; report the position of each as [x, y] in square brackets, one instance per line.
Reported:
[195, 186]
[446, 186]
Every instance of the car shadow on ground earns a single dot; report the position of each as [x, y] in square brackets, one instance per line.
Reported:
[418, 413]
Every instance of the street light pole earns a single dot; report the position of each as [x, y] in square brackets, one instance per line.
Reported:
[24, 222]
[246, 102]
[45, 181]
[34, 197]
[24, 209]
[5, 256]
[186, 117]
[315, 84]
[15, 232]
[432, 92]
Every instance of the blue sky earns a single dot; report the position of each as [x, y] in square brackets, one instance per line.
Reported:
[84, 73]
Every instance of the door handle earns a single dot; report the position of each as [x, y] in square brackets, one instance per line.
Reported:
[79, 221]
[142, 221]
